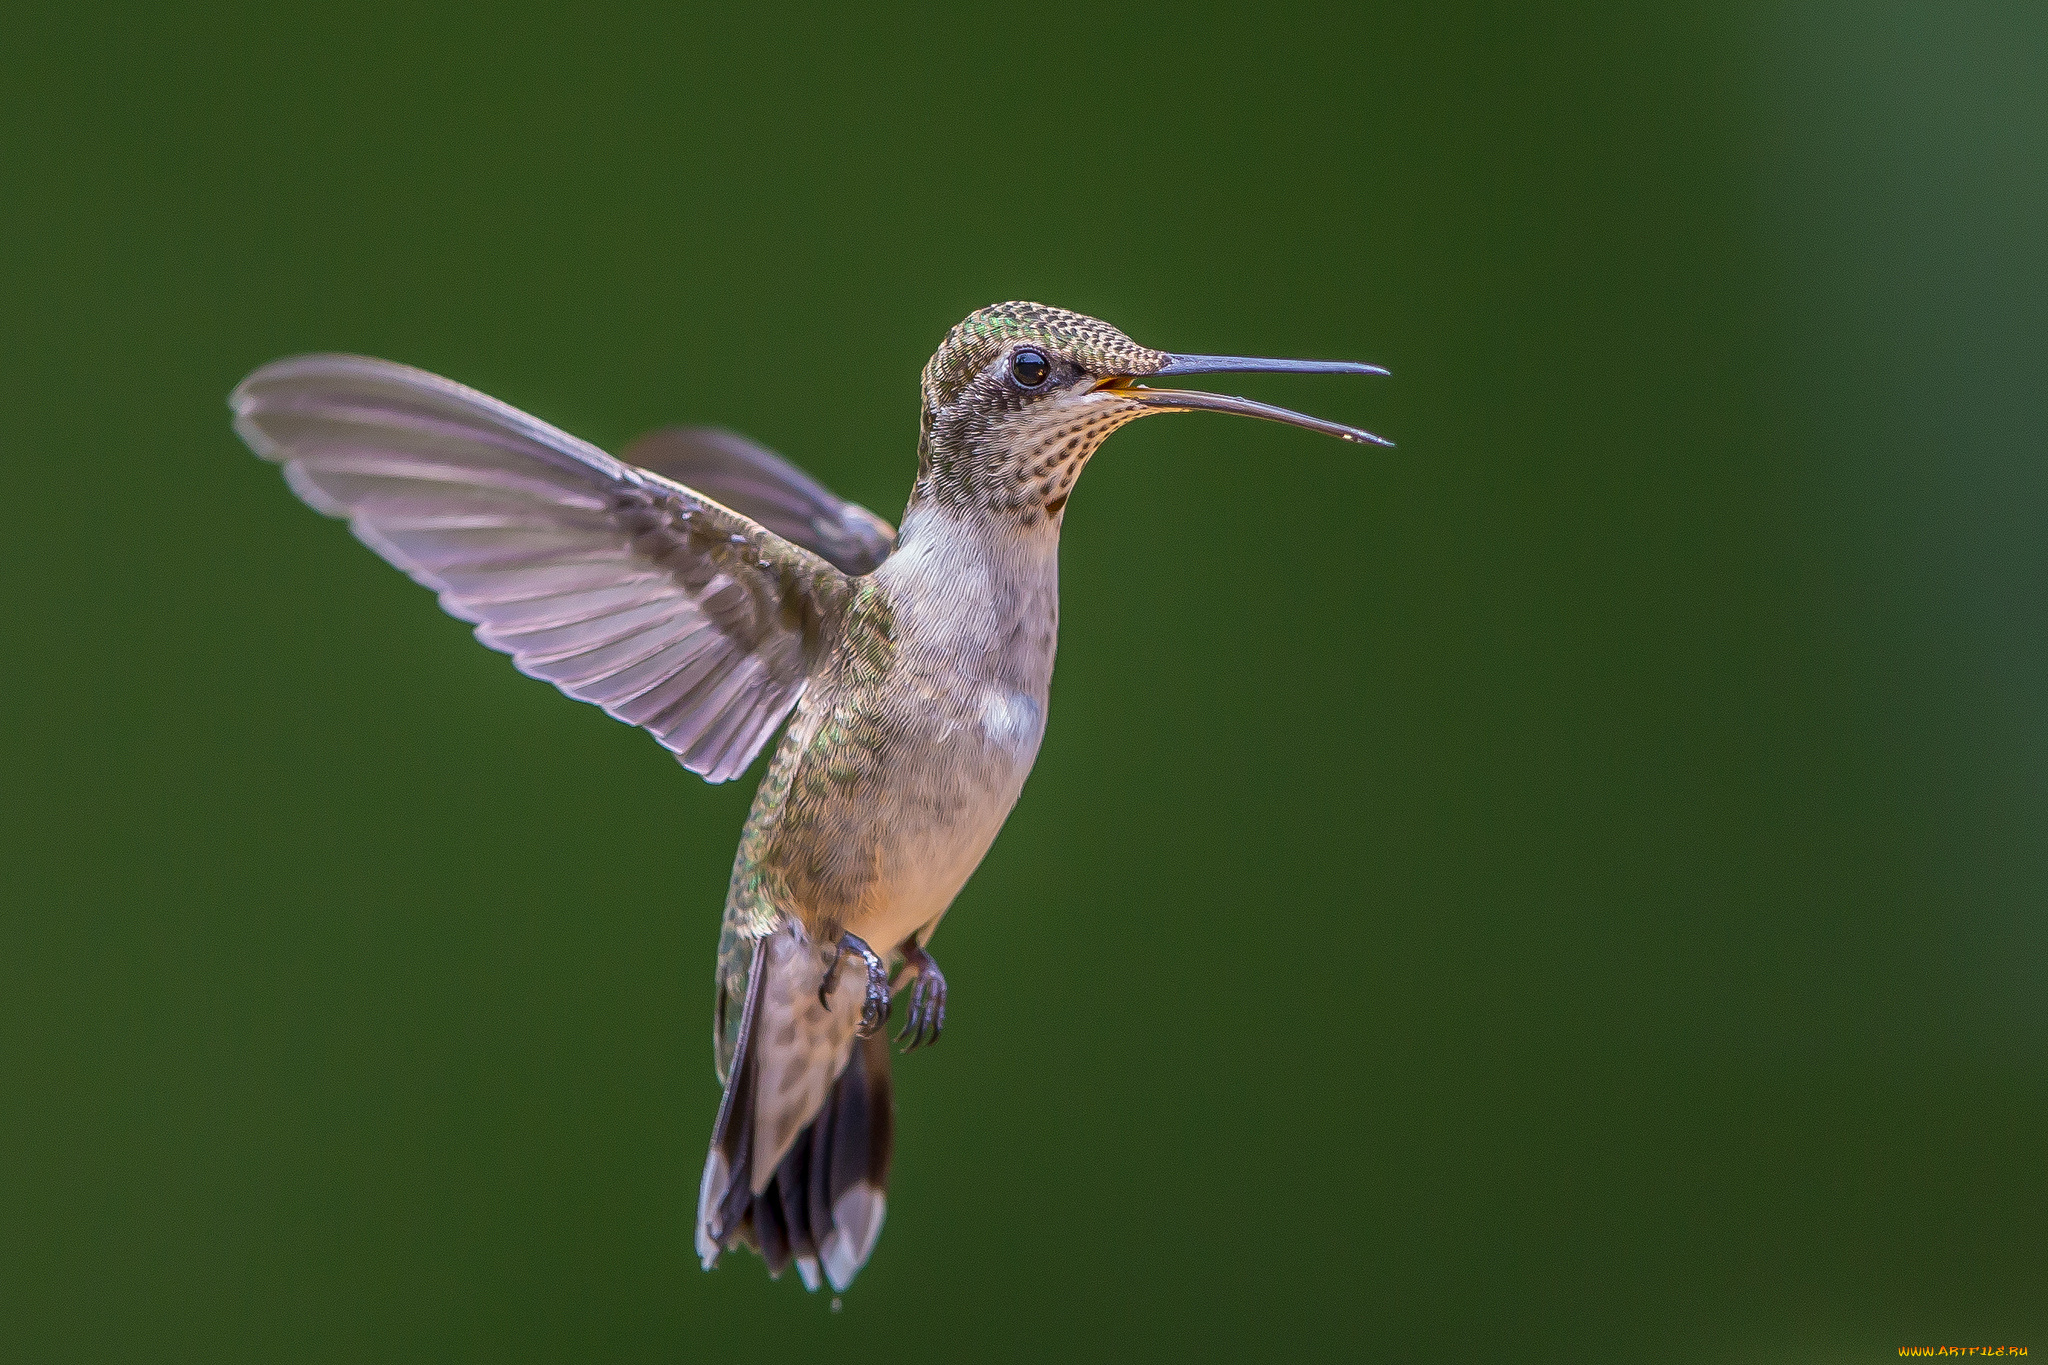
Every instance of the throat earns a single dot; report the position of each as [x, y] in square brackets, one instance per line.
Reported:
[1020, 467]
[977, 594]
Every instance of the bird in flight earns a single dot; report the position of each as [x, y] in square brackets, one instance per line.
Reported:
[707, 590]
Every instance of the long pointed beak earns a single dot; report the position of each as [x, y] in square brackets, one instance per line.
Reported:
[1246, 364]
[1194, 400]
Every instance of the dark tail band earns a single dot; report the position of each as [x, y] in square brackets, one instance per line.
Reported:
[823, 1206]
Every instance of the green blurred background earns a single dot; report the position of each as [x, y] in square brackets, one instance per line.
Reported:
[1570, 887]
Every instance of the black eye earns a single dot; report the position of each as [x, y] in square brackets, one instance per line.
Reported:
[1030, 368]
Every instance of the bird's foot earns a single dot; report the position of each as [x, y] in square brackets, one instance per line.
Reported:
[875, 1008]
[927, 998]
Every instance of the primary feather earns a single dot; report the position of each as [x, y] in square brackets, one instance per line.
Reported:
[622, 587]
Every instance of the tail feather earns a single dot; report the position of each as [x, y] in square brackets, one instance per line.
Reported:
[863, 1133]
[820, 1199]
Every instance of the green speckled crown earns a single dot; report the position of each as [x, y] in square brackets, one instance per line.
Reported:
[1096, 346]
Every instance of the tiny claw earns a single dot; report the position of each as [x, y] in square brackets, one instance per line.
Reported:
[927, 1015]
[831, 978]
[874, 1010]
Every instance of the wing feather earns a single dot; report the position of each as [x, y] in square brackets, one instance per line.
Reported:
[621, 586]
[754, 480]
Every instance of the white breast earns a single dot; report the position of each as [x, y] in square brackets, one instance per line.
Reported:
[975, 618]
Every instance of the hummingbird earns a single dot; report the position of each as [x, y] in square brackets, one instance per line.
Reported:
[707, 590]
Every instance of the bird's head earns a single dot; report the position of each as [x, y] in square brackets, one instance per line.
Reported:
[1019, 396]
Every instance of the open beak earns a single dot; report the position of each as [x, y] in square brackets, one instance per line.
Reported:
[1195, 400]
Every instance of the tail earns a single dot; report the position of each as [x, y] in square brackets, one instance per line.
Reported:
[799, 1161]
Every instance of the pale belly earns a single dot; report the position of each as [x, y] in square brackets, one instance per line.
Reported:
[948, 724]
[947, 799]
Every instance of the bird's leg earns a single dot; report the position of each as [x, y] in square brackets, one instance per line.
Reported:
[875, 1008]
[927, 999]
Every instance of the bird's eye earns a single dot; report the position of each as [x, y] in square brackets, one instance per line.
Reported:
[1030, 368]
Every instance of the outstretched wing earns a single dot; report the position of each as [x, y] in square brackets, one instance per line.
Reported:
[753, 479]
[619, 586]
